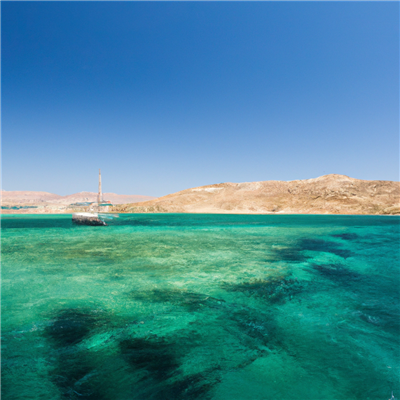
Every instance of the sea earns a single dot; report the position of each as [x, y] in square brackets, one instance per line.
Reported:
[192, 306]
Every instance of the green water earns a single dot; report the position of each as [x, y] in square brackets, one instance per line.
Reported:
[180, 306]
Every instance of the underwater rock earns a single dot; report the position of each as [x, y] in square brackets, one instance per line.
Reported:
[71, 326]
[156, 364]
[275, 288]
[153, 356]
[337, 272]
[346, 236]
[74, 371]
[370, 319]
[296, 252]
[324, 246]
[191, 300]
[287, 254]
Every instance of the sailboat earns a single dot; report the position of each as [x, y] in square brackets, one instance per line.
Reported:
[94, 218]
[87, 218]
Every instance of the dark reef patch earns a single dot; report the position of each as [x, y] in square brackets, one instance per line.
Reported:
[384, 315]
[155, 357]
[337, 272]
[346, 236]
[255, 331]
[295, 253]
[195, 386]
[275, 289]
[192, 301]
[71, 326]
[287, 254]
[74, 368]
[155, 364]
[75, 376]
[324, 246]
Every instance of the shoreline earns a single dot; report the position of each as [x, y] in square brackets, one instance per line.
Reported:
[205, 213]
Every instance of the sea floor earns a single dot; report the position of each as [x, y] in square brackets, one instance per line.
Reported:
[189, 306]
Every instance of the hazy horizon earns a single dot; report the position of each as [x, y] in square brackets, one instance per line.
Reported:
[164, 96]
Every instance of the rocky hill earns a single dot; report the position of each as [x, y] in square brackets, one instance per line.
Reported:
[328, 194]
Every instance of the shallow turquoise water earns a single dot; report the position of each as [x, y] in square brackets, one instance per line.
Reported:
[180, 306]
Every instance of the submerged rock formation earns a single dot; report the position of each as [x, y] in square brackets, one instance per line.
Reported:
[328, 194]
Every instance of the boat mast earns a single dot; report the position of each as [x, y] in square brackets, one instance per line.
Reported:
[100, 195]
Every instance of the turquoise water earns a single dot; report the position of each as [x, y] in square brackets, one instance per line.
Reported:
[181, 306]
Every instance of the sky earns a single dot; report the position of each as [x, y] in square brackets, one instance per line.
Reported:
[164, 96]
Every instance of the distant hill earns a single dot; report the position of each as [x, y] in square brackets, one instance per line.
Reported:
[25, 197]
[328, 194]
[42, 198]
[114, 198]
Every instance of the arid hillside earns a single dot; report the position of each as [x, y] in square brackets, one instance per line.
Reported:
[26, 197]
[49, 203]
[114, 198]
[328, 194]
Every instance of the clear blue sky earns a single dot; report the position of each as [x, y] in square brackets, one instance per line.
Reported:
[163, 96]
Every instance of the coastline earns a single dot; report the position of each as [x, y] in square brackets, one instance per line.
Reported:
[331, 194]
[204, 213]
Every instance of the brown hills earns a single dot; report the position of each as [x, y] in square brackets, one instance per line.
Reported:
[114, 198]
[25, 197]
[328, 194]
